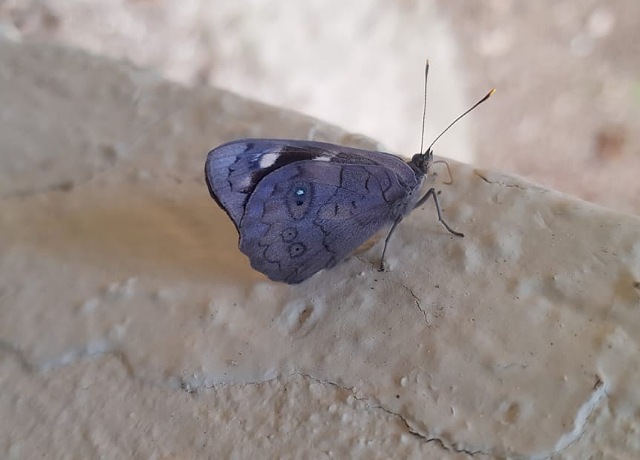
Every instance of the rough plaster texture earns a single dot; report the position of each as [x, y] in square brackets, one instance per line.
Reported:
[131, 325]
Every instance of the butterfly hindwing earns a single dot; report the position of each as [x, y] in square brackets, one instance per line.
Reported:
[309, 215]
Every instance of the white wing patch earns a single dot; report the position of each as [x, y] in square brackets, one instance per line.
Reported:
[268, 159]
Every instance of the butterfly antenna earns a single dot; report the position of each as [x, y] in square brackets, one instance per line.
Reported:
[424, 106]
[458, 119]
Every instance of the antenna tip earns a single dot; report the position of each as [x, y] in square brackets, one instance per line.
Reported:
[493, 90]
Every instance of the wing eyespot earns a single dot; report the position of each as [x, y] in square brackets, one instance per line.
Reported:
[297, 249]
[300, 194]
[289, 234]
[298, 199]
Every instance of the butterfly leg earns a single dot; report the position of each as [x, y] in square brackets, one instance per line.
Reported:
[386, 241]
[429, 194]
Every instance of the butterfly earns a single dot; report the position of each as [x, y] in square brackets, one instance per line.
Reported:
[303, 206]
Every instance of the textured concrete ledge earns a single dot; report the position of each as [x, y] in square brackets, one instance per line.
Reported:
[132, 326]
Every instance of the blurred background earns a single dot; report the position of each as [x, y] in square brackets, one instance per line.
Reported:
[566, 113]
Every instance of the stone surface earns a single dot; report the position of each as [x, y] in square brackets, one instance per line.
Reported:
[132, 326]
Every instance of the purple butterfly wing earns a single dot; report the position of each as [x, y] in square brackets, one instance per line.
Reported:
[300, 207]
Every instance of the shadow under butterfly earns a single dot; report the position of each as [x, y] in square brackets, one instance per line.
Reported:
[304, 206]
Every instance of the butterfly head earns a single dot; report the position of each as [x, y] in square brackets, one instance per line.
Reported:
[423, 161]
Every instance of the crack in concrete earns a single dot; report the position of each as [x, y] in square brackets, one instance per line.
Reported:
[581, 419]
[433, 439]
[408, 289]
[412, 431]
[501, 184]
[417, 301]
